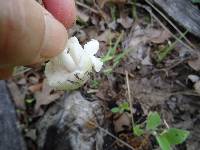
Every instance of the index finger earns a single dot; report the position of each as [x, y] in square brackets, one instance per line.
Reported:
[60, 10]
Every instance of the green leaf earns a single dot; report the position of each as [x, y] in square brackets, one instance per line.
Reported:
[115, 110]
[175, 136]
[137, 130]
[168, 49]
[124, 106]
[153, 120]
[163, 142]
[95, 84]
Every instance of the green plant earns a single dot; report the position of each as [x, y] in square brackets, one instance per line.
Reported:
[121, 108]
[113, 11]
[134, 10]
[112, 50]
[162, 54]
[95, 83]
[113, 56]
[166, 138]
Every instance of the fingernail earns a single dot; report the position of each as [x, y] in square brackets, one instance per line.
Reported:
[55, 37]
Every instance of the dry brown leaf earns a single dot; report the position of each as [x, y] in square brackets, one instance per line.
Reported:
[22, 81]
[45, 97]
[158, 35]
[31, 134]
[91, 32]
[126, 22]
[84, 17]
[197, 87]
[123, 120]
[148, 35]
[195, 64]
[138, 43]
[106, 36]
[35, 87]
[32, 77]
[16, 94]
[112, 25]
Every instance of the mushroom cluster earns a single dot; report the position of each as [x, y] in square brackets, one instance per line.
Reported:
[71, 69]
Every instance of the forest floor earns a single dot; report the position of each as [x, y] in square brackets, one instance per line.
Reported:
[144, 64]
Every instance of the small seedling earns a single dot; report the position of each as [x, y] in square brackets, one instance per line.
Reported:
[162, 54]
[112, 50]
[121, 108]
[153, 121]
[137, 130]
[167, 49]
[165, 138]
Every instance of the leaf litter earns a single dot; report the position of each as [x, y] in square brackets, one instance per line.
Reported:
[162, 87]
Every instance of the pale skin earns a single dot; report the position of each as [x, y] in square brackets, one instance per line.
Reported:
[29, 34]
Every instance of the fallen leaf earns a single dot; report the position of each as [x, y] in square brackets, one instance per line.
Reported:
[112, 25]
[197, 87]
[91, 33]
[84, 17]
[126, 22]
[45, 97]
[22, 81]
[123, 120]
[106, 36]
[138, 43]
[147, 60]
[193, 78]
[195, 64]
[31, 134]
[157, 35]
[32, 77]
[17, 95]
[35, 87]
[148, 35]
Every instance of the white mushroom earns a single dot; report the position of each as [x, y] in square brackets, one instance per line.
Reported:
[70, 69]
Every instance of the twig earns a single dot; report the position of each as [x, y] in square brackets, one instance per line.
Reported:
[129, 97]
[166, 124]
[170, 22]
[87, 7]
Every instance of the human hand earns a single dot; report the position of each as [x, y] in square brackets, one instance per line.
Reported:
[30, 34]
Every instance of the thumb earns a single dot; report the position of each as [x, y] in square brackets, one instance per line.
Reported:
[28, 33]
